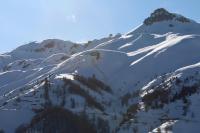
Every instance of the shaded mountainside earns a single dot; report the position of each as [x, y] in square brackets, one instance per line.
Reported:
[147, 80]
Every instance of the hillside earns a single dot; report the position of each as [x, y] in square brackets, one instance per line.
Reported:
[146, 80]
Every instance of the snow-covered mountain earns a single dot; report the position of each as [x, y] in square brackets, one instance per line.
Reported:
[147, 80]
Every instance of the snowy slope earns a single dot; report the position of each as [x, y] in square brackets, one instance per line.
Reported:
[144, 81]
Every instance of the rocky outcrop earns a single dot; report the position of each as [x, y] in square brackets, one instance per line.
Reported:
[163, 15]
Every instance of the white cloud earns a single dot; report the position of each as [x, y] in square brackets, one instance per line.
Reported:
[72, 18]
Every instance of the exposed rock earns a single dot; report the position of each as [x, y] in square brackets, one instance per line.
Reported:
[163, 15]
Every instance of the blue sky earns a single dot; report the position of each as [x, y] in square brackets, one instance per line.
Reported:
[23, 21]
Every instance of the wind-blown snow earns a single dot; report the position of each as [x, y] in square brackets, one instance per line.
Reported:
[134, 63]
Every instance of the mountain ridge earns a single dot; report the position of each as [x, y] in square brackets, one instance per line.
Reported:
[144, 81]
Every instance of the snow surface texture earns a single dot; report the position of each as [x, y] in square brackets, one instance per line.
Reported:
[160, 58]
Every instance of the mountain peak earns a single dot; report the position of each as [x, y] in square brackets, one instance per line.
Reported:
[162, 14]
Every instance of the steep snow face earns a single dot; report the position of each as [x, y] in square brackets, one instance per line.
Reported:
[137, 66]
[168, 102]
[162, 21]
[55, 59]
[112, 77]
[148, 35]
[169, 26]
[105, 64]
